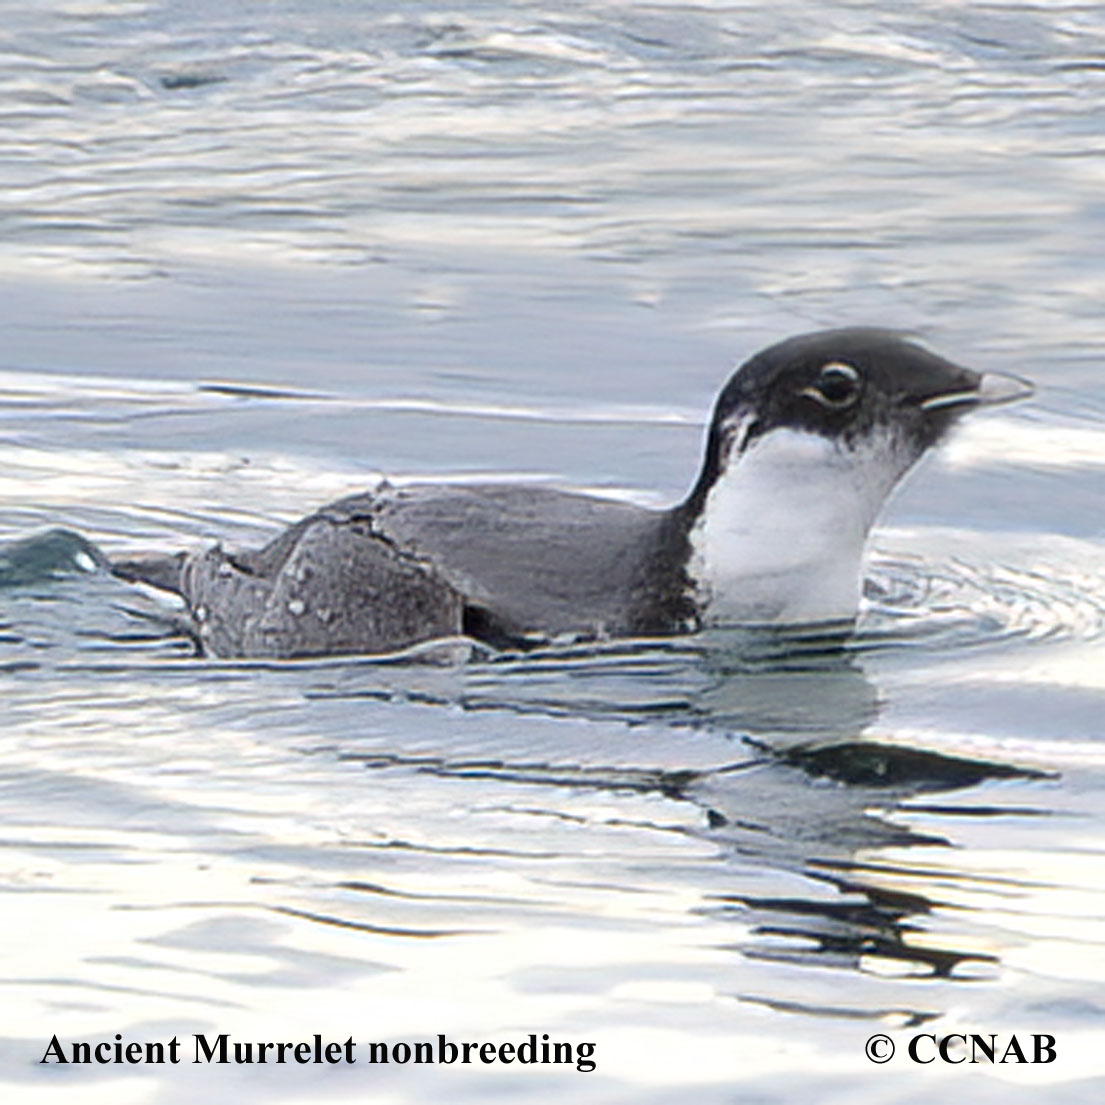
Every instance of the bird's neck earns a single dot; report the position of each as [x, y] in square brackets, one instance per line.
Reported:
[779, 536]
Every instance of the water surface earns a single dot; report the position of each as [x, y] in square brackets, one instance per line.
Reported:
[255, 255]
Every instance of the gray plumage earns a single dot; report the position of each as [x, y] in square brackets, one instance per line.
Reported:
[385, 569]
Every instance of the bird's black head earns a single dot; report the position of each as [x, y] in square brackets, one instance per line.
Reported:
[846, 385]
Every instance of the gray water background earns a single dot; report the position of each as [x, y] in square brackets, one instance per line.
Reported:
[253, 255]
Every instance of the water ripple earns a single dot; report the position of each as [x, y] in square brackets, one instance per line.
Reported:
[956, 603]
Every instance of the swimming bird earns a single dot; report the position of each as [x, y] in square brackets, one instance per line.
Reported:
[806, 441]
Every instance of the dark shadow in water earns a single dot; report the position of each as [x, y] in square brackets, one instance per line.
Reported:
[809, 795]
[822, 810]
[823, 814]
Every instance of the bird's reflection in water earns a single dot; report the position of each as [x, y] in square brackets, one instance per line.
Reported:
[824, 802]
[813, 794]
[827, 814]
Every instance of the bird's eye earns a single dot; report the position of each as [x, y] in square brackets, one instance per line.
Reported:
[837, 386]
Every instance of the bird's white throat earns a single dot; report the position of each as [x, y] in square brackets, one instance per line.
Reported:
[781, 534]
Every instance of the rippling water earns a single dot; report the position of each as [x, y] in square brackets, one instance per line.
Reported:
[253, 255]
